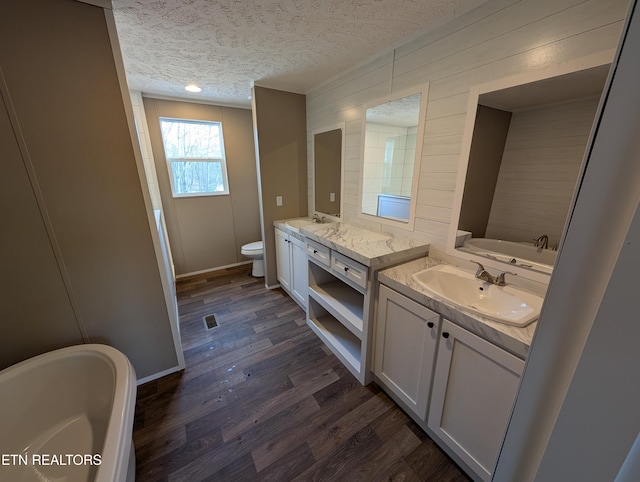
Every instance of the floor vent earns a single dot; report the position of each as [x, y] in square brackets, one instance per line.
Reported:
[210, 321]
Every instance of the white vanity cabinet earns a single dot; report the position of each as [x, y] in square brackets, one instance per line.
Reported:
[338, 306]
[344, 261]
[283, 259]
[406, 338]
[474, 387]
[299, 272]
[291, 264]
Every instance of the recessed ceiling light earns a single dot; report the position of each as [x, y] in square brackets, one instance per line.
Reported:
[193, 88]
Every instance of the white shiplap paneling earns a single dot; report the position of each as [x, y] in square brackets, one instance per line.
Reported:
[498, 39]
[539, 169]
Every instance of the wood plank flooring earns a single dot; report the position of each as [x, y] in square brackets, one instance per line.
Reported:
[262, 399]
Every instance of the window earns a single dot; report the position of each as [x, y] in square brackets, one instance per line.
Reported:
[195, 156]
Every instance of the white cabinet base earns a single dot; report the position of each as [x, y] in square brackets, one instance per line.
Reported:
[474, 388]
[405, 348]
[291, 264]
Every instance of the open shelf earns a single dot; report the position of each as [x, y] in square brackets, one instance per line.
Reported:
[342, 342]
[343, 302]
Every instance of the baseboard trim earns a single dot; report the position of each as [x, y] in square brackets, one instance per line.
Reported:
[211, 270]
[161, 374]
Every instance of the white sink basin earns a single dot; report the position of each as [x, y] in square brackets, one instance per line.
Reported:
[505, 304]
[296, 224]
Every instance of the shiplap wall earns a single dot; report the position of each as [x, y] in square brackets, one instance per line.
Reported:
[498, 39]
[540, 165]
[382, 177]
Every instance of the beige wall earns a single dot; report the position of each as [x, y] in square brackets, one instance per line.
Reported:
[145, 148]
[498, 39]
[82, 259]
[328, 164]
[279, 123]
[207, 232]
[485, 157]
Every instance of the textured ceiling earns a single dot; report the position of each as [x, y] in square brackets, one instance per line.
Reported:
[294, 45]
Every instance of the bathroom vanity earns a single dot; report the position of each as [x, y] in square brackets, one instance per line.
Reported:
[343, 263]
[291, 261]
[456, 374]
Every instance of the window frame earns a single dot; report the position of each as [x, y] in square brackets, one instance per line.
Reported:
[221, 160]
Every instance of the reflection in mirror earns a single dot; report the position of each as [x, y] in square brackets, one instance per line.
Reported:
[526, 149]
[327, 155]
[390, 153]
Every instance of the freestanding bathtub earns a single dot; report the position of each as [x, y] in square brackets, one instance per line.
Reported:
[67, 415]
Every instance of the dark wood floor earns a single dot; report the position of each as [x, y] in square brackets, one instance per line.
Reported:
[262, 398]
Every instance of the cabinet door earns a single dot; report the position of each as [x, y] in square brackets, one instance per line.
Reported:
[474, 388]
[406, 341]
[283, 259]
[299, 272]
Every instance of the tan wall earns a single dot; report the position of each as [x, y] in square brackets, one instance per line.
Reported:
[489, 136]
[207, 232]
[86, 260]
[39, 317]
[280, 125]
[327, 156]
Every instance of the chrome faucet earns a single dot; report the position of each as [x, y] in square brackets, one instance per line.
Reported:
[484, 275]
[542, 242]
[316, 218]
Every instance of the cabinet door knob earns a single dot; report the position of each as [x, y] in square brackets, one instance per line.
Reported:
[430, 324]
[346, 268]
[315, 251]
[445, 334]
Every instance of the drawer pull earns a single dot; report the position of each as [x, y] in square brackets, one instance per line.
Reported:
[346, 268]
[445, 334]
[315, 251]
[430, 324]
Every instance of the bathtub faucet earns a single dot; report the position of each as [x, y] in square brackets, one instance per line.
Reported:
[542, 242]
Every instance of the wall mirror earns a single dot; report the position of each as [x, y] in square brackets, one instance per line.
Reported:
[522, 154]
[391, 153]
[328, 148]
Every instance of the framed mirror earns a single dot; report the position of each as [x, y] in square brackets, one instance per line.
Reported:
[524, 144]
[391, 152]
[328, 149]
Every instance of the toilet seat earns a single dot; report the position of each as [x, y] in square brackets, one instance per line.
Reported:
[253, 248]
[255, 251]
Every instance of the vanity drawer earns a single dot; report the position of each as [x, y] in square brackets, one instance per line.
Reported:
[318, 252]
[349, 268]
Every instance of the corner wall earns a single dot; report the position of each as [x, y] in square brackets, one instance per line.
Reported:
[281, 154]
[86, 269]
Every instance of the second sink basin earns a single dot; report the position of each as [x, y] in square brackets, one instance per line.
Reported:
[298, 223]
[505, 304]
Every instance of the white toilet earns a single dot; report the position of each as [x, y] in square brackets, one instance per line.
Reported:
[255, 251]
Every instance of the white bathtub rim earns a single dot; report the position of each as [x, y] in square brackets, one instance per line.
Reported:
[116, 448]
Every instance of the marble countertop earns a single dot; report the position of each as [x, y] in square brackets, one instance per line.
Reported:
[282, 225]
[512, 339]
[367, 247]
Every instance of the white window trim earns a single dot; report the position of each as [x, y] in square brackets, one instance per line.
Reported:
[222, 160]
